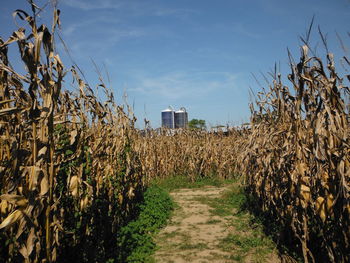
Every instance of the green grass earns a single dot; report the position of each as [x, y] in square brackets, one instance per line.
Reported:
[234, 199]
[246, 241]
[135, 240]
[212, 221]
[170, 235]
[179, 182]
[187, 246]
[248, 238]
[255, 245]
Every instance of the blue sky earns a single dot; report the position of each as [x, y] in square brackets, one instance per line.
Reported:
[199, 54]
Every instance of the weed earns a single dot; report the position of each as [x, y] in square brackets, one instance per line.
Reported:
[199, 246]
[170, 234]
[248, 238]
[253, 244]
[180, 182]
[212, 221]
[136, 238]
[233, 199]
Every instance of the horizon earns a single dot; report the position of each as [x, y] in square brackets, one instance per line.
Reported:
[199, 55]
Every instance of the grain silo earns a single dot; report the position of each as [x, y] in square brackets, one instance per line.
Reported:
[168, 118]
[181, 118]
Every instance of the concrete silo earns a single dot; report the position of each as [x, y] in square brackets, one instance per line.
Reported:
[181, 118]
[168, 118]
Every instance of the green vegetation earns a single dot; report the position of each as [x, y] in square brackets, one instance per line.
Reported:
[212, 221]
[199, 246]
[72, 167]
[225, 205]
[177, 182]
[255, 245]
[135, 241]
[248, 238]
[197, 124]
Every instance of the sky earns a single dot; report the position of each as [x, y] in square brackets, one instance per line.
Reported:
[197, 54]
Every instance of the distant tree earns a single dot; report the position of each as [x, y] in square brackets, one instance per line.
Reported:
[197, 124]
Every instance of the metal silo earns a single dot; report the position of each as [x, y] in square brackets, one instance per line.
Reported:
[168, 118]
[181, 118]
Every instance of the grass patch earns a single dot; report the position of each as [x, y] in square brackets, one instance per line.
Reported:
[231, 200]
[212, 222]
[248, 238]
[199, 246]
[170, 234]
[254, 245]
[287, 245]
[179, 182]
[244, 243]
[135, 241]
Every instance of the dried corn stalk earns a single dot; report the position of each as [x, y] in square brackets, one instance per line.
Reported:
[297, 158]
[69, 175]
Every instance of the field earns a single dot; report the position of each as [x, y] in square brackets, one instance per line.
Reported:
[74, 170]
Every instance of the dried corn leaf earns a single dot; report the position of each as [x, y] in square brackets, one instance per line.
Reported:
[11, 219]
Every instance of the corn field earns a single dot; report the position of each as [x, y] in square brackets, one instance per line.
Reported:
[191, 153]
[297, 162]
[69, 176]
[74, 168]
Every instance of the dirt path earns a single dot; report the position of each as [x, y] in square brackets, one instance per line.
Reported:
[200, 232]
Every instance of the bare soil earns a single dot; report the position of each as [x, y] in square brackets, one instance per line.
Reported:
[195, 233]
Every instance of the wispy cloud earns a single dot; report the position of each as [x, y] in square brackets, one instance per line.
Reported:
[132, 8]
[181, 13]
[181, 84]
[239, 28]
[79, 38]
[236, 28]
[87, 5]
[120, 21]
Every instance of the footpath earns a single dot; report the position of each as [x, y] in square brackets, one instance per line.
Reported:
[207, 226]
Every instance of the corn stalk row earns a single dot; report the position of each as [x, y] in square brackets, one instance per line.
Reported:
[195, 154]
[297, 159]
[73, 168]
[68, 175]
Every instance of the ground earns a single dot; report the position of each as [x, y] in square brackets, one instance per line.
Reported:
[207, 227]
